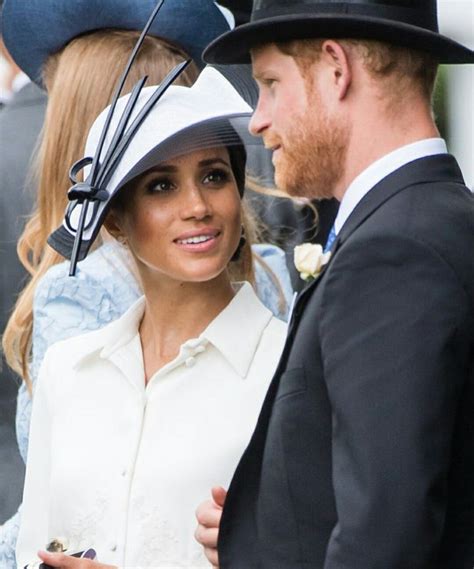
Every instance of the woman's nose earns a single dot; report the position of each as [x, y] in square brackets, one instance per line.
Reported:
[196, 205]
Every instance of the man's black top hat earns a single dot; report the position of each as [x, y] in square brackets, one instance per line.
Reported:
[406, 23]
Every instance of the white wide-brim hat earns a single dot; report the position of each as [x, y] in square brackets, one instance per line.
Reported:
[210, 113]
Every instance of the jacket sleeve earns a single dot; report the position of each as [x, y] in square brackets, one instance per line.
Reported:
[394, 361]
[33, 534]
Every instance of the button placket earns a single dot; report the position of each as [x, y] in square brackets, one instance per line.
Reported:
[191, 349]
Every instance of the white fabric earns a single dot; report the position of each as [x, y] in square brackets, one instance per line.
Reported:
[20, 81]
[227, 15]
[121, 467]
[382, 168]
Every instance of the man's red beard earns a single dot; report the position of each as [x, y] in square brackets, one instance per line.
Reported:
[311, 160]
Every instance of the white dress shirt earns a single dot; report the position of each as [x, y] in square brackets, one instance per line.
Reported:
[121, 467]
[382, 168]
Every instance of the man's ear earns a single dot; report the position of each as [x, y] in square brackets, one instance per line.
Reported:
[336, 57]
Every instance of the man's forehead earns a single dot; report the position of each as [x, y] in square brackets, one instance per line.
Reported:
[264, 58]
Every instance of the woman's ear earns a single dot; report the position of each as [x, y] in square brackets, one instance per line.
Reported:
[113, 225]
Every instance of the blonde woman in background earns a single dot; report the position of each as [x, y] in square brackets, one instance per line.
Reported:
[73, 51]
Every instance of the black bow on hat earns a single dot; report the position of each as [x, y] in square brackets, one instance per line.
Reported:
[406, 23]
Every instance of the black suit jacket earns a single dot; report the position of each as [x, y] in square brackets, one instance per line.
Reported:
[363, 455]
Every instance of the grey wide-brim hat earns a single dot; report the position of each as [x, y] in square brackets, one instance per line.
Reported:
[412, 24]
[209, 114]
[35, 29]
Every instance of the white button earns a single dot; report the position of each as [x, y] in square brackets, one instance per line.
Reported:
[124, 472]
[190, 362]
[113, 547]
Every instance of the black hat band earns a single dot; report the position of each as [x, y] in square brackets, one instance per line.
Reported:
[421, 18]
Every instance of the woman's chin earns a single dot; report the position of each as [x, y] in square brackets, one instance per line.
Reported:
[193, 272]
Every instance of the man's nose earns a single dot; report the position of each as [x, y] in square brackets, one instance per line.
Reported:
[260, 120]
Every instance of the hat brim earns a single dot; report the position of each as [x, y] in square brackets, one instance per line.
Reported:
[33, 30]
[216, 132]
[235, 46]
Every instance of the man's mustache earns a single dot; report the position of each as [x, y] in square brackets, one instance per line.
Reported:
[270, 142]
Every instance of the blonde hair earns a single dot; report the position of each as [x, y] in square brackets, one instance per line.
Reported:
[80, 81]
[397, 67]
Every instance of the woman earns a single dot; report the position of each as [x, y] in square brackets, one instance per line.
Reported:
[68, 59]
[134, 422]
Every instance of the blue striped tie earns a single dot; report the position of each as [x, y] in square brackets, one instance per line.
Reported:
[331, 238]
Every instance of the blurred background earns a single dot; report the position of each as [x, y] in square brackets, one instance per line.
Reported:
[457, 92]
[454, 110]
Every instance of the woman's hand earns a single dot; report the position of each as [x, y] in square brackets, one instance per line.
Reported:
[61, 561]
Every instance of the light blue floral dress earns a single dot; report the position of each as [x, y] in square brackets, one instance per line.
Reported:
[103, 289]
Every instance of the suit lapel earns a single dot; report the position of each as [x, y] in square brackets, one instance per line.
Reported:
[439, 168]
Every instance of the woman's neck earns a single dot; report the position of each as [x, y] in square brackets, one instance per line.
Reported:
[174, 313]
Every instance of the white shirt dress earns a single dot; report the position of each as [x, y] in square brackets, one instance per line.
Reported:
[120, 466]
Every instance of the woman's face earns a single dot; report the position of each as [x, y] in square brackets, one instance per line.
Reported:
[183, 218]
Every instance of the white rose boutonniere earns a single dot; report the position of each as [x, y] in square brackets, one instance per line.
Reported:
[309, 260]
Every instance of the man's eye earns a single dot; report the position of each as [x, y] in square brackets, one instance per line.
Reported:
[216, 177]
[268, 82]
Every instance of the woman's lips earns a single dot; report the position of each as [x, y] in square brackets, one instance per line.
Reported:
[198, 241]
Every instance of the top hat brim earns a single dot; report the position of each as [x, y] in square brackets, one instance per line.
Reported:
[235, 46]
[35, 29]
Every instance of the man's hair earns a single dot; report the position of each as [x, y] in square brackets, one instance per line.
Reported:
[397, 68]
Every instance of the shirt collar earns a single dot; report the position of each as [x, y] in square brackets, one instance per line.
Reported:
[382, 168]
[235, 332]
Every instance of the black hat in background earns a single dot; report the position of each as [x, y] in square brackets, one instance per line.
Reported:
[406, 23]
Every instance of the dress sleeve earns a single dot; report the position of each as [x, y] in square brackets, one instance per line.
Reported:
[33, 532]
[8, 537]
[272, 293]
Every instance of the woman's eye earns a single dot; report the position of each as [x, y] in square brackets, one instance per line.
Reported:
[158, 186]
[216, 177]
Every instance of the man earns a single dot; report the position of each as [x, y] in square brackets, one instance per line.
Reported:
[286, 223]
[363, 455]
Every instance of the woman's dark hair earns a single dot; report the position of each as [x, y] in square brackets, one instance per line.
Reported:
[238, 161]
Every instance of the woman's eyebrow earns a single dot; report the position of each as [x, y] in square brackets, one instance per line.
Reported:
[211, 161]
[165, 168]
